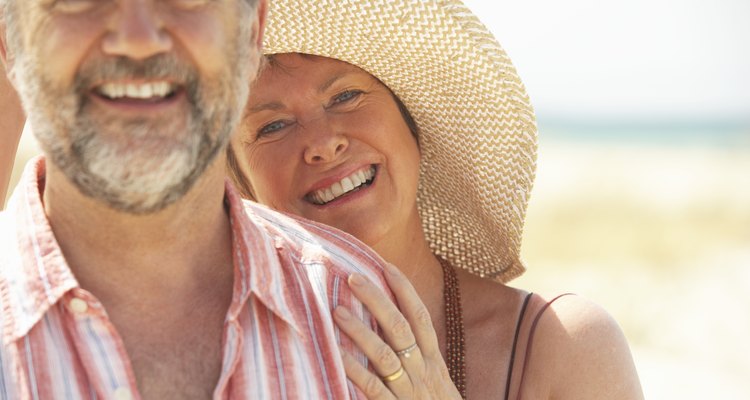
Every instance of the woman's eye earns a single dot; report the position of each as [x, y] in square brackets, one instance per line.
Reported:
[346, 96]
[272, 127]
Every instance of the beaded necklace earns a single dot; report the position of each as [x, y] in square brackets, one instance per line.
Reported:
[454, 327]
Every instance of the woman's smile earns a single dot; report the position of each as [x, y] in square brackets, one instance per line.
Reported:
[355, 182]
[326, 140]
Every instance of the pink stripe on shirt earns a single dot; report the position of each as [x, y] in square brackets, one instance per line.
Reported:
[279, 338]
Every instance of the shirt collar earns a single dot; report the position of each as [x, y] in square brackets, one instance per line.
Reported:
[35, 275]
[261, 269]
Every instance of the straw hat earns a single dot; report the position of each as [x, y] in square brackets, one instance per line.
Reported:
[477, 129]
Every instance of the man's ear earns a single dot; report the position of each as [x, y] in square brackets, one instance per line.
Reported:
[7, 59]
[3, 51]
[262, 13]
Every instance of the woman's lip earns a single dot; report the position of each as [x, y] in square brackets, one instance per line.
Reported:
[328, 181]
[350, 196]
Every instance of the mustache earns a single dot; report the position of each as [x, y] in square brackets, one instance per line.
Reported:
[157, 67]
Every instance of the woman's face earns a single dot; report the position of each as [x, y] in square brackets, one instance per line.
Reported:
[325, 140]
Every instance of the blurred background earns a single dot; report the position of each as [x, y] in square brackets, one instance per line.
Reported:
[642, 198]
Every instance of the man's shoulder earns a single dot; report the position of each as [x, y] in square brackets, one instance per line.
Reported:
[313, 242]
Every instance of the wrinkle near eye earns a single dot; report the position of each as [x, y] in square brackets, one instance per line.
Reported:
[345, 99]
[346, 96]
[272, 127]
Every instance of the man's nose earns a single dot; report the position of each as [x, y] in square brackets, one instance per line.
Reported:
[136, 31]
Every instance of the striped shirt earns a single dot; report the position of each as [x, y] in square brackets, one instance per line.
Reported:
[279, 339]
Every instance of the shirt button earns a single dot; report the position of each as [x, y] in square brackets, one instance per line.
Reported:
[123, 393]
[78, 306]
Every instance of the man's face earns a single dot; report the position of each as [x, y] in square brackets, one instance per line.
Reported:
[132, 99]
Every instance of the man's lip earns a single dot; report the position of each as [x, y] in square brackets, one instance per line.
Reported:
[135, 81]
[133, 105]
[136, 88]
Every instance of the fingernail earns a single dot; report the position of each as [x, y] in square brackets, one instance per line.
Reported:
[356, 280]
[342, 313]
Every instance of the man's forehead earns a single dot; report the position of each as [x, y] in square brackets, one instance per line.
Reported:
[46, 5]
[22, 10]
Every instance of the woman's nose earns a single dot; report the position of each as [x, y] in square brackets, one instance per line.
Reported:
[324, 143]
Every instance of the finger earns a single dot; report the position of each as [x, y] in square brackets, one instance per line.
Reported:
[396, 328]
[413, 310]
[382, 357]
[371, 385]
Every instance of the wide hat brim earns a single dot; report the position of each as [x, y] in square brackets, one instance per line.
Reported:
[478, 135]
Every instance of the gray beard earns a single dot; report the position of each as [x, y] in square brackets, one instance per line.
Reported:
[156, 161]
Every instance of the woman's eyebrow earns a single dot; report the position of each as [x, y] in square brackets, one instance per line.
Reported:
[328, 83]
[275, 106]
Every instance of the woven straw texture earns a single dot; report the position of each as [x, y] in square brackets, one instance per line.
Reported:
[478, 133]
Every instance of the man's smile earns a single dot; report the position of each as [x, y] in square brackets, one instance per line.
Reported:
[155, 90]
[137, 92]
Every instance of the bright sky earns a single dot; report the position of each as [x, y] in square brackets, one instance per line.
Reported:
[660, 59]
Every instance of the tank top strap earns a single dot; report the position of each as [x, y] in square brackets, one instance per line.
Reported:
[532, 310]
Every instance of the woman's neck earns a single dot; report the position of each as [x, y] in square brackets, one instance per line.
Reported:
[410, 252]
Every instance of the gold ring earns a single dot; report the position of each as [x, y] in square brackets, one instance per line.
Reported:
[392, 377]
[407, 351]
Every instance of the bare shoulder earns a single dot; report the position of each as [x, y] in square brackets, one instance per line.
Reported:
[586, 351]
[580, 319]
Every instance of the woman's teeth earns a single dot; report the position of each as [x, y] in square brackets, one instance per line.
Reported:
[342, 187]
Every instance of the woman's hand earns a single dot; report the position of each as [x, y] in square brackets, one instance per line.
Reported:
[408, 362]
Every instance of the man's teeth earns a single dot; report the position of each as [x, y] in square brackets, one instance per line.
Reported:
[136, 90]
[343, 186]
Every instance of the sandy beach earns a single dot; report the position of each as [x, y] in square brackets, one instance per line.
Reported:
[660, 236]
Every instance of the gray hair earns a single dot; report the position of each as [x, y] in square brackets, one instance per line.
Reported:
[9, 21]
[13, 41]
